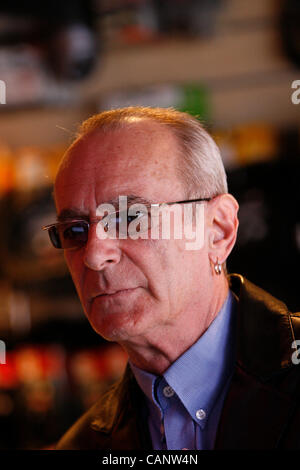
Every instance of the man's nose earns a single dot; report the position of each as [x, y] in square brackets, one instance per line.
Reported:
[101, 253]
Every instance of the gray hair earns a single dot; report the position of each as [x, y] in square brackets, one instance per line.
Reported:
[201, 168]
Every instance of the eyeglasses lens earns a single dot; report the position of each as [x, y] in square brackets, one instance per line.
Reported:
[69, 235]
[124, 224]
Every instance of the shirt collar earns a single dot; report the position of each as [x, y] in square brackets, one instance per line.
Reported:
[199, 375]
[145, 380]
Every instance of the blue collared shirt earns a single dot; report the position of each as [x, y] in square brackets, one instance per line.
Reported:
[185, 403]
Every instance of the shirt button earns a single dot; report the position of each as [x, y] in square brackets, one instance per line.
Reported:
[200, 414]
[168, 391]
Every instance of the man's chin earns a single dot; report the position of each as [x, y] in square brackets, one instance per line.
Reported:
[114, 317]
[117, 330]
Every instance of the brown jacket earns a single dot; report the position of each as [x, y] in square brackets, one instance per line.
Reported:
[262, 406]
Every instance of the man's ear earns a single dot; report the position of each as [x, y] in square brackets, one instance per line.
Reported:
[223, 226]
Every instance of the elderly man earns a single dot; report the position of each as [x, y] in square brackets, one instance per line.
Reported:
[210, 356]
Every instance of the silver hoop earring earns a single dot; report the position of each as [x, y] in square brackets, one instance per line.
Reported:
[218, 268]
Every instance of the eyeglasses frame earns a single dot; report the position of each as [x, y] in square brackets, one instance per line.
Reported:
[97, 219]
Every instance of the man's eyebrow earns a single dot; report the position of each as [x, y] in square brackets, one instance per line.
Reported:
[71, 214]
[131, 199]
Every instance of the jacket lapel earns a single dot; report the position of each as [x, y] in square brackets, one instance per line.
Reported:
[122, 416]
[257, 405]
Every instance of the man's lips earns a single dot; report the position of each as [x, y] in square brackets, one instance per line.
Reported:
[112, 293]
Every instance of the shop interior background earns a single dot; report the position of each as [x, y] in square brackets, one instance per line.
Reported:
[230, 62]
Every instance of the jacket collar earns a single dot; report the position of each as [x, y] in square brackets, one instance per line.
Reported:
[264, 330]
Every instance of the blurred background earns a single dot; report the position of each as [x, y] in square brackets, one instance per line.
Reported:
[230, 62]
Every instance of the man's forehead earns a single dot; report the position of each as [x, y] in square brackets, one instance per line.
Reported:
[137, 147]
[121, 162]
[137, 140]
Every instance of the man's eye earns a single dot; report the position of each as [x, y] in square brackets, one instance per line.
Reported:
[125, 217]
[138, 215]
[74, 231]
[120, 221]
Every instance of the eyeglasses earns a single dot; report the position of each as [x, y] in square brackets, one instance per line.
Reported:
[73, 234]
